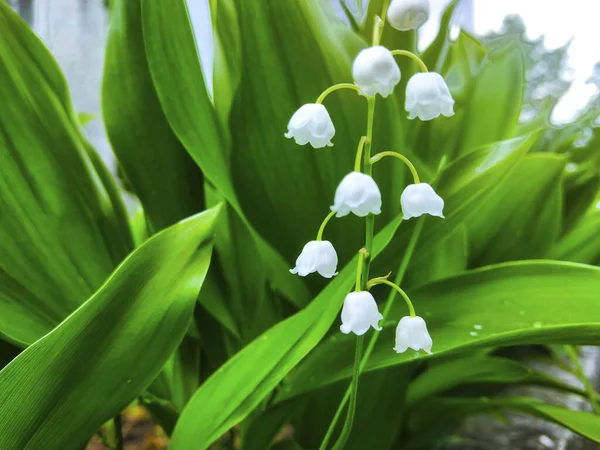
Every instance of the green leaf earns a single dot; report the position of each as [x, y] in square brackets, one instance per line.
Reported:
[63, 227]
[582, 243]
[583, 423]
[477, 369]
[449, 258]
[539, 302]
[62, 388]
[521, 218]
[177, 76]
[498, 91]
[161, 172]
[234, 390]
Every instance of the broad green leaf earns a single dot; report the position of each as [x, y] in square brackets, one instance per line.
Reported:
[62, 388]
[582, 243]
[234, 390]
[498, 90]
[477, 369]
[583, 423]
[161, 172]
[538, 302]
[521, 218]
[63, 228]
[177, 76]
[449, 258]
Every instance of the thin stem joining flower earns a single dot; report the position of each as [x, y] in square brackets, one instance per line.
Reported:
[334, 88]
[411, 55]
[359, 152]
[384, 280]
[323, 225]
[401, 157]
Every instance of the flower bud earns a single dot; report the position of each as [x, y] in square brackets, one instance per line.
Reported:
[375, 71]
[407, 15]
[428, 96]
[419, 199]
[311, 123]
[412, 333]
[357, 193]
[359, 313]
[317, 256]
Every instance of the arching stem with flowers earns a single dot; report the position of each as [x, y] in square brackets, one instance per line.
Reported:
[375, 72]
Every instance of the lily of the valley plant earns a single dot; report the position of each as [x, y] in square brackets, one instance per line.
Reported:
[375, 72]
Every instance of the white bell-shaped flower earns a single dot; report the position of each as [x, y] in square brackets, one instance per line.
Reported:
[317, 256]
[357, 193]
[311, 123]
[359, 313]
[407, 15]
[412, 333]
[375, 71]
[428, 97]
[419, 199]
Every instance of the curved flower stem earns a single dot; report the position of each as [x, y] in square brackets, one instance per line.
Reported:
[406, 161]
[359, 151]
[414, 57]
[382, 280]
[336, 87]
[386, 312]
[323, 225]
[591, 393]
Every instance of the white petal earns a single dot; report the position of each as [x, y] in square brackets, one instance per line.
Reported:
[411, 332]
[311, 123]
[357, 193]
[428, 97]
[316, 256]
[406, 15]
[375, 71]
[359, 313]
[419, 199]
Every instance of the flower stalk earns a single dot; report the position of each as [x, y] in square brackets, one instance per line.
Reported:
[401, 157]
[334, 88]
[414, 57]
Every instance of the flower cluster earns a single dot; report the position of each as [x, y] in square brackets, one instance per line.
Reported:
[375, 71]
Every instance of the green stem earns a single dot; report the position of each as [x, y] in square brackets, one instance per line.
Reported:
[118, 421]
[345, 434]
[336, 87]
[323, 225]
[414, 57]
[359, 152]
[376, 281]
[368, 169]
[366, 261]
[572, 352]
[388, 308]
[362, 255]
[401, 157]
